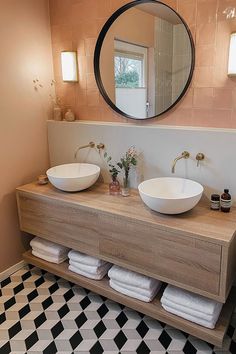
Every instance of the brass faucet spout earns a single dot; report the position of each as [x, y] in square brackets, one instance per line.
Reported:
[89, 145]
[184, 155]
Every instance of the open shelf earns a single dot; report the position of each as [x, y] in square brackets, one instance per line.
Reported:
[152, 309]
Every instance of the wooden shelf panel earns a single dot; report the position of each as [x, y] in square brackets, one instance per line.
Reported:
[153, 309]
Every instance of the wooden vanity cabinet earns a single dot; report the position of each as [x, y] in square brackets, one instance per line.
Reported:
[195, 251]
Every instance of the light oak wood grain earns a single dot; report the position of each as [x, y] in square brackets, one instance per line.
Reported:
[153, 309]
[168, 256]
[201, 222]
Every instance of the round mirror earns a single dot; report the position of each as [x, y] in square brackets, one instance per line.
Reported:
[144, 59]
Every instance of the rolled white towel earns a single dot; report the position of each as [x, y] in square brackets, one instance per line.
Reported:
[190, 300]
[189, 311]
[52, 258]
[209, 324]
[48, 246]
[85, 259]
[99, 276]
[131, 278]
[133, 294]
[140, 291]
[90, 269]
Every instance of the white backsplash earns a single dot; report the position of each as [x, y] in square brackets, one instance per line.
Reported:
[158, 147]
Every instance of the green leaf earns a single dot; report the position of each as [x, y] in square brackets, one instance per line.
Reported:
[105, 154]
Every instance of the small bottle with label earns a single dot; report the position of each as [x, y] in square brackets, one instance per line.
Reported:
[215, 202]
[225, 201]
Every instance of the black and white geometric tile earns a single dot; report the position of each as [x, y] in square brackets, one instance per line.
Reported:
[42, 313]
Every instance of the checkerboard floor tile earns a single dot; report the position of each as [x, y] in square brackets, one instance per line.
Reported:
[42, 313]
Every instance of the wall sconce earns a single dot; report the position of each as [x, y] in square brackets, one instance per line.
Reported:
[69, 66]
[232, 55]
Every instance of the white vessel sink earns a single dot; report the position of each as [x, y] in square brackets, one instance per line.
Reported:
[169, 195]
[73, 177]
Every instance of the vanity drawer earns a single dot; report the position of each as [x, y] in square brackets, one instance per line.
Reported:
[186, 262]
[59, 222]
[183, 261]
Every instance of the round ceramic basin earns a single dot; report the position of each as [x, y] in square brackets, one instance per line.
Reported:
[73, 177]
[169, 195]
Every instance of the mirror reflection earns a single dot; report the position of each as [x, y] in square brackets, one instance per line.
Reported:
[146, 60]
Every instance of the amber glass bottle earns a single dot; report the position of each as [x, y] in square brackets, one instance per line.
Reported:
[225, 201]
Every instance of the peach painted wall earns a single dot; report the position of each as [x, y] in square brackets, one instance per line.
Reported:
[211, 99]
[25, 55]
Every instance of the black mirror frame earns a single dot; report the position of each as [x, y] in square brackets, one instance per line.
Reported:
[98, 48]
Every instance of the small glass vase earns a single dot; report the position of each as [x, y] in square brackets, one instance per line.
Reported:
[114, 186]
[125, 190]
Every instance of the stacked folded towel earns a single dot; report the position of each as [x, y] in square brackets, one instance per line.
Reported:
[49, 251]
[87, 266]
[133, 284]
[192, 307]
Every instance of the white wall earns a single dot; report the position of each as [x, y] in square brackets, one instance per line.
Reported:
[159, 146]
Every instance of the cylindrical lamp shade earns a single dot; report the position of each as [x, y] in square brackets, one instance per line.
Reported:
[69, 66]
[232, 55]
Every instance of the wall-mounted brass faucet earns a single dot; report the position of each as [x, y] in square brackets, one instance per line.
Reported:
[100, 147]
[184, 155]
[89, 145]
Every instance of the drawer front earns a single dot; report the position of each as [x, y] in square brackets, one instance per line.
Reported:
[59, 222]
[183, 261]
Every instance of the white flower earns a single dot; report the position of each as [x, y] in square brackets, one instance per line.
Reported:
[132, 152]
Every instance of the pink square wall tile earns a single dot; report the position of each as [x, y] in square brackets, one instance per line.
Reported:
[203, 76]
[187, 100]
[90, 82]
[90, 44]
[93, 98]
[212, 118]
[203, 97]
[205, 34]
[205, 55]
[233, 118]
[223, 98]
[89, 113]
[89, 64]
[221, 79]
[81, 98]
[183, 116]
[234, 98]
[206, 11]
[217, 98]
[187, 9]
[108, 115]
